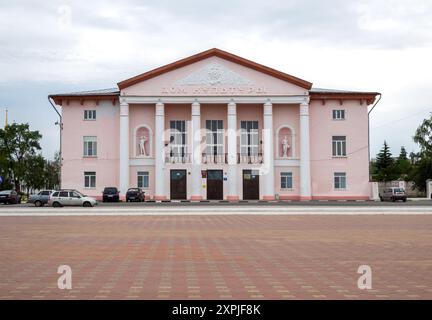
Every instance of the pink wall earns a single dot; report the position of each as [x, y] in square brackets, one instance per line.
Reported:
[323, 165]
[106, 128]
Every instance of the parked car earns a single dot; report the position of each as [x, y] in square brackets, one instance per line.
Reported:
[9, 197]
[110, 194]
[41, 198]
[393, 194]
[70, 198]
[135, 194]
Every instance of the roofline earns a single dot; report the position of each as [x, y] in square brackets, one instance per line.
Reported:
[218, 53]
[369, 97]
[58, 98]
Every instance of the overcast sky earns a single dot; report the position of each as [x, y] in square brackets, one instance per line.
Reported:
[62, 46]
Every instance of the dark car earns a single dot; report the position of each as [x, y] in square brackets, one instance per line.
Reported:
[135, 194]
[10, 196]
[110, 194]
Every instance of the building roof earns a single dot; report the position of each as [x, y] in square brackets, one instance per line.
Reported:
[335, 91]
[99, 92]
[211, 53]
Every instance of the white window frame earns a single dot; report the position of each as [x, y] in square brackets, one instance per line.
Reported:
[338, 114]
[339, 147]
[178, 147]
[215, 132]
[89, 179]
[90, 144]
[90, 115]
[341, 176]
[247, 147]
[143, 175]
[287, 176]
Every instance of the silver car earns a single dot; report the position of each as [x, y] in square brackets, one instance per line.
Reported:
[393, 194]
[70, 198]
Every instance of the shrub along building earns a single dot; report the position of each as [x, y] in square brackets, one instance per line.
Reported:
[217, 126]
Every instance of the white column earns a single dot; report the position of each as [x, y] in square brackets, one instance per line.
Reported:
[124, 148]
[160, 193]
[196, 152]
[268, 169]
[305, 178]
[232, 152]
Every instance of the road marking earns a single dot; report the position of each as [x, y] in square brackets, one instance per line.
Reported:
[223, 210]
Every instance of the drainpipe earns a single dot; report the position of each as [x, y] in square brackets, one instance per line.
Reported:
[369, 158]
[60, 124]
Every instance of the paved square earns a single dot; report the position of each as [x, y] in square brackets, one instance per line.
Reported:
[216, 256]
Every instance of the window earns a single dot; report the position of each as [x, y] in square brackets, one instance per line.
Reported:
[339, 146]
[55, 194]
[74, 194]
[90, 147]
[44, 193]
[214, 137]
[89, 114]
[286, 180]
[89, 179]
[338, 114]
[64, 194]
[143, 179]
[249, 139]
[340, 180]
[178, 138]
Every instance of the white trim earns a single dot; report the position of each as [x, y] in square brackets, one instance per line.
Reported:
[295, 99]
[293, 142]
[150, 141]
[135, 162]
[287, 163]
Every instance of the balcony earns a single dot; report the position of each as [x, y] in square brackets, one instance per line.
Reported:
[178, 158]
[215, 158]
[256, 158]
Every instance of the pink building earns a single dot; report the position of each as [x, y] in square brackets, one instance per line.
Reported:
[217, 126]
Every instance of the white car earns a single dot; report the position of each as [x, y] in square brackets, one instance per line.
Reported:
[70, 198]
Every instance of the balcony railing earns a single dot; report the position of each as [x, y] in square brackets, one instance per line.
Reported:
[178, 158]
[215, 158]
[250, 158]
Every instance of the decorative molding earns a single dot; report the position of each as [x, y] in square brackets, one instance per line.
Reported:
[287, 163]
[214, 74]
[294, 99]
[141, 162]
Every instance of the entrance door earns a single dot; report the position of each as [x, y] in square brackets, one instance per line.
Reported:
[214, 185]
[250, 185]
[178, 184]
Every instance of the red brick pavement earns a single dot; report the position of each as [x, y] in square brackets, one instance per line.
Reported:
[216, 257]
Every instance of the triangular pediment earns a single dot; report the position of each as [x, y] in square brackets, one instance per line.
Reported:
[215, 68]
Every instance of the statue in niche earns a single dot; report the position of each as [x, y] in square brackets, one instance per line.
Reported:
[285, 147]
[142, 146]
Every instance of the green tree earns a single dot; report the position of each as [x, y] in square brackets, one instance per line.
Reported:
[52, 172]
[17, 144]
[34, 173]
[423, 136]
[384, 165]
[403, 165]
[422, 161]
